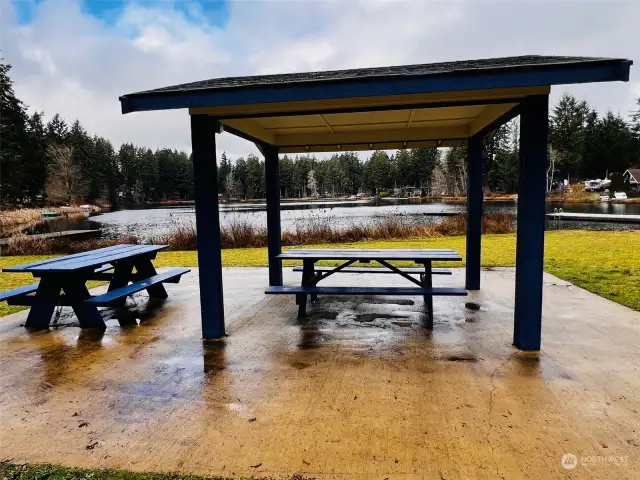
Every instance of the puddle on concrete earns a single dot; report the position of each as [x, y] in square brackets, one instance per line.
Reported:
[536, 364]
[300, 365]
[403, 324]
[371, 317]
[316, 315]
[462, 357]
[371, 300]
[311, 337]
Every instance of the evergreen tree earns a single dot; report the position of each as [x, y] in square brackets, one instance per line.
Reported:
[423, 161]
[501, 164]
[286, 169]
[36, 158]
[613, 147]
[378, 172]
[82, 148]
[57, 131]
[13, 138]
[240, 176]
[567, 133]
[255, 177]
[224, 168]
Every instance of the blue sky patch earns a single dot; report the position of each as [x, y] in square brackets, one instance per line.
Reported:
[216, 12]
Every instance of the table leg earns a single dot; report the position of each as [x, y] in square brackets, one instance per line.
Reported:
[427, 282]
[46, 299]
[312, 274]
[76, 293]
[145, 269]
[307, 276]
[121, 277]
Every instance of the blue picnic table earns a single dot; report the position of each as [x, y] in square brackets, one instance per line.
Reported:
[312, 274]
[127, 268]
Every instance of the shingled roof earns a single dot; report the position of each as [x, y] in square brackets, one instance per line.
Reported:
[428, 69]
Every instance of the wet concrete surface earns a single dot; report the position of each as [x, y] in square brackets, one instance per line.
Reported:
[359, 389]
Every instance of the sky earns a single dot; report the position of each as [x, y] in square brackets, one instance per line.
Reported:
[76, 57]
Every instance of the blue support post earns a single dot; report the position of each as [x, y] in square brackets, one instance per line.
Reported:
[205, 174]
[474, 211]
[274, 242]
[531, 222]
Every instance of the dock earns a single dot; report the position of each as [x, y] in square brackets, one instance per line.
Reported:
[68, 234]
[595, 217]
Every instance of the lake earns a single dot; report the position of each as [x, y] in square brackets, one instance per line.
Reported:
[148, 222]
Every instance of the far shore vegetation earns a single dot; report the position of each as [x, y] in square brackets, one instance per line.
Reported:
[605, 263]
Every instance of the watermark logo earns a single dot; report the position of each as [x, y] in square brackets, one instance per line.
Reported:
[569, 461]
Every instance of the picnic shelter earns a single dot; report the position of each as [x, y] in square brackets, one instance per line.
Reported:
[411, 106]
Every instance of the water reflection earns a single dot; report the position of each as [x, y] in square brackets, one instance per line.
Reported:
[150, 222]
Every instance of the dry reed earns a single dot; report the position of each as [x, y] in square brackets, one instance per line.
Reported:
[240, 233]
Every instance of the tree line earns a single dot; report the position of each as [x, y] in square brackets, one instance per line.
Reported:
[56, 162]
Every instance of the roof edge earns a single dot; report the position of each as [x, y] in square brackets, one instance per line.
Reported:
[586, 71]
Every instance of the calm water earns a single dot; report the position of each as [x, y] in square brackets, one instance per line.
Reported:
[149, 222]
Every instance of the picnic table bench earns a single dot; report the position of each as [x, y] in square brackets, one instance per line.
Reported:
[312, 274]
[63, 282]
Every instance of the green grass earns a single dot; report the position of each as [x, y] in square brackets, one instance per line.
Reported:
[10, 471]
[606, 263]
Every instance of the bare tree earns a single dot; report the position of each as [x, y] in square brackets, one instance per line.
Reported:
[553, 156]
[65, 180]
[312, 185]
[231, 186]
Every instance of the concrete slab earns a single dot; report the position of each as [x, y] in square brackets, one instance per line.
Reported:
[358, 390]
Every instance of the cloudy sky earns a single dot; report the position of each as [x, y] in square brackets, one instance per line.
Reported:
[76, 57]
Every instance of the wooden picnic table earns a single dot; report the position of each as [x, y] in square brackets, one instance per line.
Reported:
[311, 274]
[63, 282]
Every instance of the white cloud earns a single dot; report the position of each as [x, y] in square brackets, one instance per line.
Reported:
[69, 62]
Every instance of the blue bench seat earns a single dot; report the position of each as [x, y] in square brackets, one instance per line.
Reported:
[171, 276]
[17, 292]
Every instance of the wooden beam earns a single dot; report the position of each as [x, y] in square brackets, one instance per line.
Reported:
[532, 183]
[250, 128]
[274, 239]
[205, 175]
[474, 212]
[488, 115]
[372, 136]
[376, 103]
[353, 147]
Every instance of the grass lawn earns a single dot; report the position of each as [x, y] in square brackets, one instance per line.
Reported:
[606, 263]
[9, 471]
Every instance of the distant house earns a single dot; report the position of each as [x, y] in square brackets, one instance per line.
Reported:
[633, 177]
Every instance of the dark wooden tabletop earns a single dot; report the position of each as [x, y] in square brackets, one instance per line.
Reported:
[418, 254]
[87, 260]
